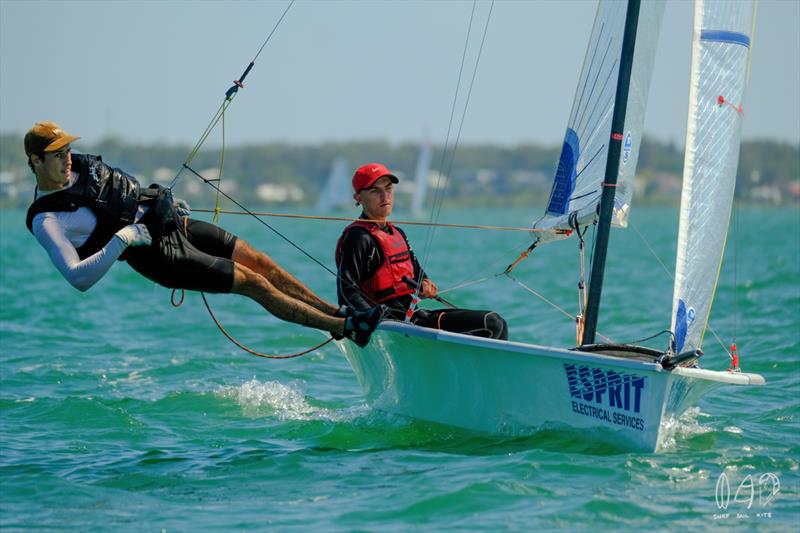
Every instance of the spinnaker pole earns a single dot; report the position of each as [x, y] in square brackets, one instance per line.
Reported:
[612, 171]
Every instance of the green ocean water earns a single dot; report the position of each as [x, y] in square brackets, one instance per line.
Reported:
[120, 412]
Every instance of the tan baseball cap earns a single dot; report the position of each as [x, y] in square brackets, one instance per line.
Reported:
[46, 137]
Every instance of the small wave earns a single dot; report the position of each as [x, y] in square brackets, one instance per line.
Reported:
[734, 429]
[135, 377]
[286, 402]
[684, 427]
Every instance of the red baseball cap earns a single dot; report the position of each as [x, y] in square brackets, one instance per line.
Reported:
[368, 174]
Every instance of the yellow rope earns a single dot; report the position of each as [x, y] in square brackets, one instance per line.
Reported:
[403, 222]
[219, 173]
[209, 128]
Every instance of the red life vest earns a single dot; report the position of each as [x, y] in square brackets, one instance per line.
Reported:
[387, 282]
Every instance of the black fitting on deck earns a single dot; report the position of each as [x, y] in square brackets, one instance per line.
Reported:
[670, 360]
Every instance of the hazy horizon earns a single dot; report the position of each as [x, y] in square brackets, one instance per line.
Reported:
[341, 71]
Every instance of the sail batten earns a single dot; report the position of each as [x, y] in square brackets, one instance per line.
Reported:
[720, 48]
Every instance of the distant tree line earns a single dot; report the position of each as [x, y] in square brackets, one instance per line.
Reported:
[478, 173]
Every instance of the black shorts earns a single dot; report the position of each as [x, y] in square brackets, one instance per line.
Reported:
[192, 255]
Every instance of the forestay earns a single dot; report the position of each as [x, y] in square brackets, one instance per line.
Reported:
[578, 182]
[720, 53]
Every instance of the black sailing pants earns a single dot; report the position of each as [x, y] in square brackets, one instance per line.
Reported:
[470, 322]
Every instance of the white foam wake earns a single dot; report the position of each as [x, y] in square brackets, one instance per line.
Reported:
[284, 401]
[684, 427]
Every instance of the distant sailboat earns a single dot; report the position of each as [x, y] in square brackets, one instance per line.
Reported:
[630, 391]
[421, 179]
[336, 194]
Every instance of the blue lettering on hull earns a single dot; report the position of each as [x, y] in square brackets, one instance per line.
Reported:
[607, 395]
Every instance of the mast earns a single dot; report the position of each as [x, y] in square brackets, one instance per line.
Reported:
[612, 170]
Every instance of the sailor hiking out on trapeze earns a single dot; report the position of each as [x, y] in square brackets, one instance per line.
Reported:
[87, 215]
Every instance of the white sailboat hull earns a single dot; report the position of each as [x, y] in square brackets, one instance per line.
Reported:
[514, 389]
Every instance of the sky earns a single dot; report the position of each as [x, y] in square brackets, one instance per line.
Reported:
[155, 72]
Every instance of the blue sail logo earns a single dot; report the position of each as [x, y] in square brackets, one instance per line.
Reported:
[627, 147]
[683, 319]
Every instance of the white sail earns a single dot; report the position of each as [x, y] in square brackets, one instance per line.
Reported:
[421, 179]
[577, 185]
[337, 191]
[720, 53]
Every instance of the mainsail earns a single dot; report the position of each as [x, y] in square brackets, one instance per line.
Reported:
[577, 185]
[720, 52]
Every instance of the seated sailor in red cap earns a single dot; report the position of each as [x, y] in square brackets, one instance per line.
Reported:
[376, 264]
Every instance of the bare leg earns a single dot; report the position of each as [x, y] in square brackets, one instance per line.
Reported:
[253, 285]
[280, 279]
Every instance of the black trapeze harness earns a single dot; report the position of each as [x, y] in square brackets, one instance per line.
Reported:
[113, 196]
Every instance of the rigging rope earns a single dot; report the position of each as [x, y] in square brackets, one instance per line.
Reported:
[470, 279]
[349, 219]
[449, 129]
[672, 277]
[215, 218]
[468, 283]
[652, 251]
[262, 221]
[225, 332]
[278, 233]
[580, 318]
[444, 167]
[230, 94]
[253, 352]
[663, 331]
[220, 115]
[733, 354]
[545, 300]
